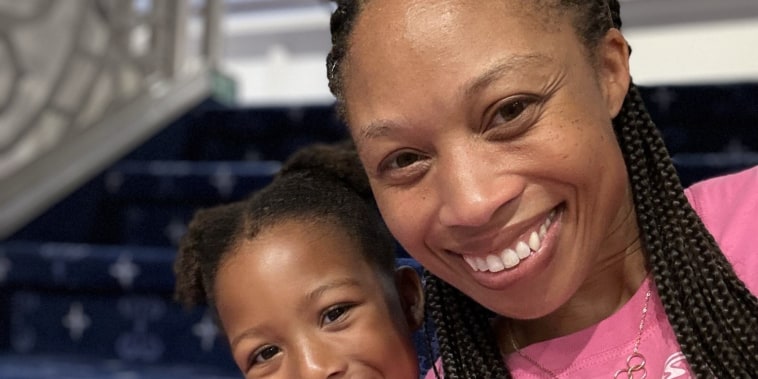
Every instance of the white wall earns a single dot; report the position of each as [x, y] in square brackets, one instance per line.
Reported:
[278, 57]
[724, 51]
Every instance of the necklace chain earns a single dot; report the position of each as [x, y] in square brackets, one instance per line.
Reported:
[635, 362]
[528, 358]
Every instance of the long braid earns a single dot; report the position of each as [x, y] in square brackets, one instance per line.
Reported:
[710, 309]
[467, 346]
[714, 316]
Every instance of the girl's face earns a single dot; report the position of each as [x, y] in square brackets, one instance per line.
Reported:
[298, 301]
[485, 129]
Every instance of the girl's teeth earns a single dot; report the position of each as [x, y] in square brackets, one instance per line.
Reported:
[522, 250]
[543, 231]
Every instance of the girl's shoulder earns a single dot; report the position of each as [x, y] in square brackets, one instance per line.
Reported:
[728, 206]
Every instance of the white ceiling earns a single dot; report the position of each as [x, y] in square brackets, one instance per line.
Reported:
[302, 26]
[276, 48]
[635, 12]
[638, 13]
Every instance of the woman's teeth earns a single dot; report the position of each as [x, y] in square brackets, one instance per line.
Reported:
[511, 257]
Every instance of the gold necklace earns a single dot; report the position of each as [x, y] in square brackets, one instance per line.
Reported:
[528, 358]
[635, 362]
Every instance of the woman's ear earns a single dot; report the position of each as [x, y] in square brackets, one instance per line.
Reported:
[411, 295]
[613, 70]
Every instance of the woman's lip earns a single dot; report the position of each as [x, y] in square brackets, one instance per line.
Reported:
[505, 238]
[526, 267]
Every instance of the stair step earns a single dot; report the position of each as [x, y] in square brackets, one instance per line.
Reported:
[55, 266]
[266, 133]
[187, 181]
[64, 366]
[135, 328]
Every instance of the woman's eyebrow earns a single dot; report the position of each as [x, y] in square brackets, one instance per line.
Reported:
[505, 66]
[509, 65]
[376, 129]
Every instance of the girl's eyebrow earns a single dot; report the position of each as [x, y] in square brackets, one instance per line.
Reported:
[248, 333]
[307, 299]
[322, 289]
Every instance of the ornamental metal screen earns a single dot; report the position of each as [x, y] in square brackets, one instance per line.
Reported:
[69, 69]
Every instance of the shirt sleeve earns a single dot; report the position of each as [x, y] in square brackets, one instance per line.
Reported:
[728, 206]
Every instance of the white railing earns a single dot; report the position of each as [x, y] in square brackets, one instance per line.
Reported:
[84, 81]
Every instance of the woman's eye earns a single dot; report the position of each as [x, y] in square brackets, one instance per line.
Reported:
[264, 354]
[511, 110]
[403, 167]
[405, 160]
[334, 314]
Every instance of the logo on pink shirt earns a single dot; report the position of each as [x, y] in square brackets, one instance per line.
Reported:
[676, 367]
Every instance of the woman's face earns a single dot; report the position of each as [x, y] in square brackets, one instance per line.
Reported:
[485, 129]
[298, 301]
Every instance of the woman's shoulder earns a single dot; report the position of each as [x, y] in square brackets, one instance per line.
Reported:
[738, 184]
[726, 200]
[728, 206]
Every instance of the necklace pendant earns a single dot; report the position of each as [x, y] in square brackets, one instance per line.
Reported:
[635, 365]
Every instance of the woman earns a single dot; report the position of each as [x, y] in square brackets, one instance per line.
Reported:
[511, 155]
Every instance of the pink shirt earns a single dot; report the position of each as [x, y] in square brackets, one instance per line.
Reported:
[728, 206]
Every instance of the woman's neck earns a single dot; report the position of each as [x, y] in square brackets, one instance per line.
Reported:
[616, 276]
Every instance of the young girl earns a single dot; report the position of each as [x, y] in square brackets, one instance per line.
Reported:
[511, 155]
[302, 276]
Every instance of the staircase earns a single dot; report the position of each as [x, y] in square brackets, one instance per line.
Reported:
[85, 289]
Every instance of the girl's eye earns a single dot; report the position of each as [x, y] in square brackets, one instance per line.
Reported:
[335, 313]
[264, 354]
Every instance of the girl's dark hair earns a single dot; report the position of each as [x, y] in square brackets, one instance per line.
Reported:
[318, 184]
[713, 314]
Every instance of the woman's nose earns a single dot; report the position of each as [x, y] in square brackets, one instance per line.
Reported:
[472, 189]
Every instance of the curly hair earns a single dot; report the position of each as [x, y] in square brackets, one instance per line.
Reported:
[713, 314]
[320, 183]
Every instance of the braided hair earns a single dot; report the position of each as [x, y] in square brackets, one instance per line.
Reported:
[320, 184]
[713, 315]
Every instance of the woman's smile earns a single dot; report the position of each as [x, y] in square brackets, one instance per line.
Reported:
[515, 258]
[499, 259]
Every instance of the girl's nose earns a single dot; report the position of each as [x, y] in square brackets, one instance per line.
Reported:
[320, 361]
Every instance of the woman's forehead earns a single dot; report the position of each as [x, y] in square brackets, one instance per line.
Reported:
[413, 15]
[395, 29]
[449, 44]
